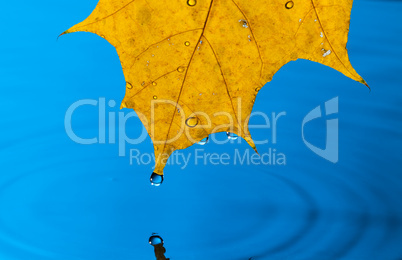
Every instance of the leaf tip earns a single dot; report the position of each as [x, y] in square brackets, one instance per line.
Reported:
[65, 32]
[365, 83]
[250, 141]
[256, 151]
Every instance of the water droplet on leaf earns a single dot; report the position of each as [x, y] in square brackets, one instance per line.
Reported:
[192, 2]
[289, 5]
[192, 121]
[156, 179]
[154, 83]
[155, 97]
[128, 85]
[181, 69]
[244, 23]
[232, 136]
[204, 141]
[326, 53]
[187, 43]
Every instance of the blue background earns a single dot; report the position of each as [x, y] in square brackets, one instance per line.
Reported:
[62, 200]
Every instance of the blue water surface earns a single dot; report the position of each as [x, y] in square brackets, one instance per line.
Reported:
[63, 200]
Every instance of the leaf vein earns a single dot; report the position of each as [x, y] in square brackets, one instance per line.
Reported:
[185, 76]
[226, 84]
[326, 37]
[252, 33]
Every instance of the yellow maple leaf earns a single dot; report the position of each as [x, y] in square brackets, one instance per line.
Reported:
[194, 68]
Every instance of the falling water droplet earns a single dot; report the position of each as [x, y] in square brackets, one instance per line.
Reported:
[204, 141]
[187, 43]
[181, 69]
[232, 136]
[289, 5]
[155, 97]
[192, 2]
[156, 179]
[192, 121]
[155, 240]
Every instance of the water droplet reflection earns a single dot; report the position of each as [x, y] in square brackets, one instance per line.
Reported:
[156, 179]
[155, 240]
[159, 249]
